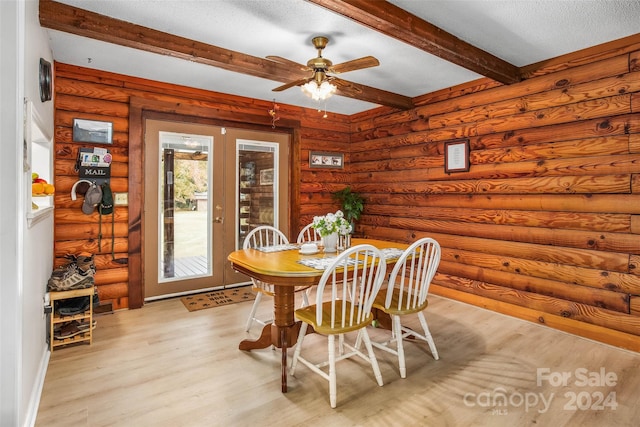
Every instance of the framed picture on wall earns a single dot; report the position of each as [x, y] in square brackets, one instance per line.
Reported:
[456, 156]
[92, 131]
[319, 159]
[266, 177]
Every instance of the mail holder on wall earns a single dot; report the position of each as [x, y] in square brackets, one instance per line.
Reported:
[94, 164]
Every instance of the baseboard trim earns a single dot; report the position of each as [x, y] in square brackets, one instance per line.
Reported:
[36, 392]
[574, 327]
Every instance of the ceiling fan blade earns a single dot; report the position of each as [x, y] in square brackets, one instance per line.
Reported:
[356, 64]
[288, 62]
[299, 82]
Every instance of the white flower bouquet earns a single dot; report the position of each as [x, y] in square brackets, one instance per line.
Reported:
[331, 223]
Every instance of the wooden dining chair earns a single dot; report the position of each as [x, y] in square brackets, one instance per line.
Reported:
[262, 236]
[406, 294]
[344, 297]
[308, 234]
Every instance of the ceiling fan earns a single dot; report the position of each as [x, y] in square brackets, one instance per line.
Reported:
[320, 84]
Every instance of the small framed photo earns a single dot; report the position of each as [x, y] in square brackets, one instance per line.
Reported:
[92, 131]
[266, 177]
[326, 160]
[456, 156]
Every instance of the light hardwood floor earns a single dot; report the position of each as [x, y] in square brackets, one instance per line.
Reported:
[164, 366]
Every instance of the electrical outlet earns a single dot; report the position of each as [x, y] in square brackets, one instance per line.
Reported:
[121, 199]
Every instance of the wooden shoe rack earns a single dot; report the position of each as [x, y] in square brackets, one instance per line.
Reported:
[85, 318]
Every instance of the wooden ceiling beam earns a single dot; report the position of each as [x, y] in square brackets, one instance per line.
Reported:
[69, 19]
[369, 94]
[395, 22]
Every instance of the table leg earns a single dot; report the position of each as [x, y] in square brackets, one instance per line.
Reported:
[265, 340]
[283, 381]
[383, 319]
[283, 332]
[285, 325]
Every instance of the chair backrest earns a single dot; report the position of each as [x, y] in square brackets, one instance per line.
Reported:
[355, 277]
[264, 235]
[308, 234]
[412, 274]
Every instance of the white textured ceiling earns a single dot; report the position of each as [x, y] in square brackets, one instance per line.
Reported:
[521, 32]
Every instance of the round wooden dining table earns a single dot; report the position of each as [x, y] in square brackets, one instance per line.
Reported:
[283, 269]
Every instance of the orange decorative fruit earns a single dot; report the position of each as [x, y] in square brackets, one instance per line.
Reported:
[37, 188]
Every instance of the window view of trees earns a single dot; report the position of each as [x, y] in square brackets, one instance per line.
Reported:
[190, 178]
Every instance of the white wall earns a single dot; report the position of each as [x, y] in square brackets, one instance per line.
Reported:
[38, 240]
[11, 40]
[23, 353]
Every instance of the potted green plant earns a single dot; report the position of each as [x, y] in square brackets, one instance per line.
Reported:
[352, 204]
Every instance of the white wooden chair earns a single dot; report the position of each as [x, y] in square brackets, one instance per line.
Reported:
[350, 289]
[406, 294]
[266, 235]
[308, 234]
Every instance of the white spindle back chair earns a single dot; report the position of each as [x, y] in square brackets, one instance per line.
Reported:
[261, 236]
[308, 235]
[344, 297]
[406, 293]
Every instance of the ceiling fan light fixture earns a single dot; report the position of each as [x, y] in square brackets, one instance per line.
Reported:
[318, 92]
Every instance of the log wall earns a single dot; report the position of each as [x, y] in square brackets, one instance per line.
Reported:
[545, 224]
[89, 94]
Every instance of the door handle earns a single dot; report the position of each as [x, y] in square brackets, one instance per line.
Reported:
[218, 219]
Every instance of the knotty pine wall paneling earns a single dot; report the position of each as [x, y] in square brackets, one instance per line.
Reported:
[545, 224]
[91, 94]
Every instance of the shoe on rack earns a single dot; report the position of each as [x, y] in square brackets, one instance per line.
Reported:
[72, 306]
[67, 330]
[69, 277]
[86, 264]
[84, 326]
[95, 298]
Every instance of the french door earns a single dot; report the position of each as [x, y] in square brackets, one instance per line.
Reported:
[205, 188]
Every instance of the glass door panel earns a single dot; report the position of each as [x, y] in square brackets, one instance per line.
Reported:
[184, 228]
[256, 200]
